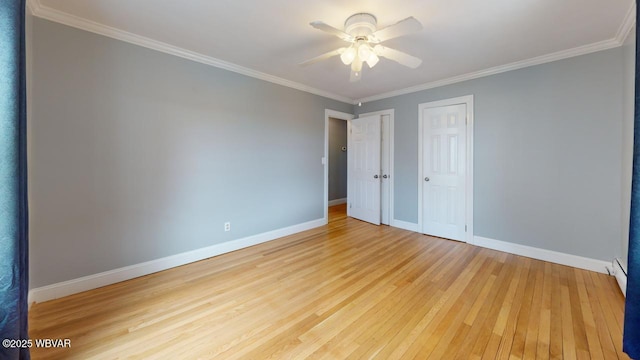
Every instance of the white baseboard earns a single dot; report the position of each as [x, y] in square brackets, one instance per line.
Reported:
[94, 281]
[621, 275]
[543, 254]
[337, 201]
[404, 225]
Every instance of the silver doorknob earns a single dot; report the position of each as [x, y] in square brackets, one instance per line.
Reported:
[426, 179]
[385, 176]
[375, 176]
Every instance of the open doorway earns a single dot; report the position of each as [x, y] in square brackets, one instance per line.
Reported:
[385, 175]
[331, 116]
[337, 167]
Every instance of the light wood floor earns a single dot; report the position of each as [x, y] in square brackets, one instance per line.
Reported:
[347, 290]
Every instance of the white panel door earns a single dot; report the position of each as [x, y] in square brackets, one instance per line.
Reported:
[443, 171]
[363, 160]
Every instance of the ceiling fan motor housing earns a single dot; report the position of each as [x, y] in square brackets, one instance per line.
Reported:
[362, 24]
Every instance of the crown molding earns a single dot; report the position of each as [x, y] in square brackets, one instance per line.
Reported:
[31, 7]
[627, 24]
[45, 12]
[560, 55]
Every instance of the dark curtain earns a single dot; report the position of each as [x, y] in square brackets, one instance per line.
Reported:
[631, 341]
[13, 181]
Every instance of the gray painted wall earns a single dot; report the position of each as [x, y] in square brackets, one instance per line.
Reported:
[337, 159]
[547, 153]
[137, 155]
[629, 63]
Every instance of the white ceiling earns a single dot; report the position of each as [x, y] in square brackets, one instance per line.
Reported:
[461, 38]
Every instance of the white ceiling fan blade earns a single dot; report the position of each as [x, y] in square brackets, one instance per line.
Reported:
[402, 27]
[331, 30]
[398, 56]
[324, 56]
[355, 76]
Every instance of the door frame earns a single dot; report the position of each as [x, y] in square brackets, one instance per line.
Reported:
[392, 174]
[328, 113]
[468, 101]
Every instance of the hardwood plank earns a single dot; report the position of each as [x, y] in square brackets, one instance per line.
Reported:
[568, 338]
[544, 327]
[348, 290]
[579, 327]
[555, 346]
[531, 339]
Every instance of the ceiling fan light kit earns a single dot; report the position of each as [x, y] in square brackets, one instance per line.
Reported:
[361, 30]
[348, 55]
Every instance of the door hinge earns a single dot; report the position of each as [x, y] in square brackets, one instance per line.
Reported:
[466, 120]
[465, 228]
[350, 205]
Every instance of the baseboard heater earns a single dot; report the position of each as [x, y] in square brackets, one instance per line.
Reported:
[620, 273]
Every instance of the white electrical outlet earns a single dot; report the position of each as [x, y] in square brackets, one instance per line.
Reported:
[227, 226]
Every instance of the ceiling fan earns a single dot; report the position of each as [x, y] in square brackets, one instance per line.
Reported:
[361, 31]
